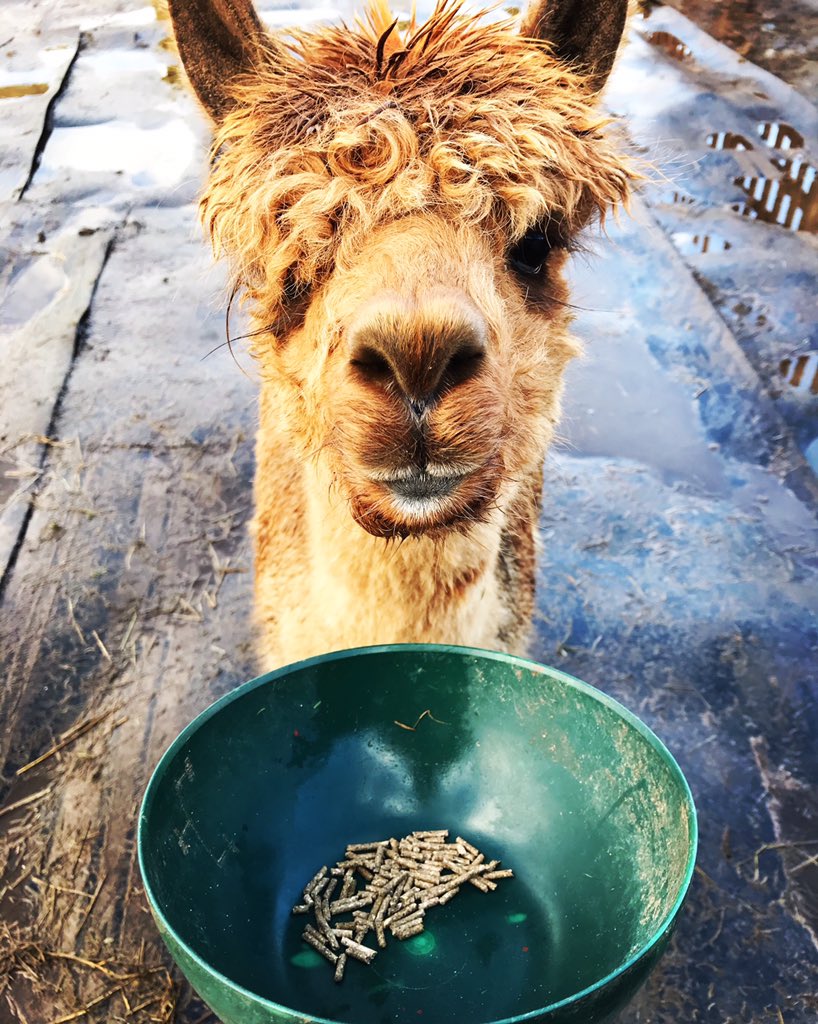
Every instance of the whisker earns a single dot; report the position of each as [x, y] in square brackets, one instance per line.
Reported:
[571, 305]
[230, 340]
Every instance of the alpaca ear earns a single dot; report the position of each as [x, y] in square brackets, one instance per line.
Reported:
[585, 33]
[217, 40]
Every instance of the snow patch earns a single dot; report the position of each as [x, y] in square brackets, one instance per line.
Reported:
[139, 16]
[50, 66]
[149, 156]
[118, 62]
[295, 18]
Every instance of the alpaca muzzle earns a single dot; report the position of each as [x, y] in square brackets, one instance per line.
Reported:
[418, 349]
[420, 423]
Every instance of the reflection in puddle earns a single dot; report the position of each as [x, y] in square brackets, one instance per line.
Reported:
[727, 140]
[672, 46]
[801, 372]
[13, 92]
[686, 242]
[779, 135]
[675, 198]
[791, 201]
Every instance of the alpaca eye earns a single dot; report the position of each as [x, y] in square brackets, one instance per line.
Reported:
[529, 254]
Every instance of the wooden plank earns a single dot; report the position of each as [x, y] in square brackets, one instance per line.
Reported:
[52, 259]
[127, 609]
[37, 61]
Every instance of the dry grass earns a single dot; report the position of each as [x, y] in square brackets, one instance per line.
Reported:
[101, 988]
[61, 959]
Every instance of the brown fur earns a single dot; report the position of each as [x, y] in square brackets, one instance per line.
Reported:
[366, 191]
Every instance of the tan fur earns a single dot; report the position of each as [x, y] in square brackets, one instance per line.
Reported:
[371, 184]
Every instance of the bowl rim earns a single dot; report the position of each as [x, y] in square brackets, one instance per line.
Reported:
[539, 668]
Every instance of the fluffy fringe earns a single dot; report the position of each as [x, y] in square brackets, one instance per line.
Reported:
[341, 129]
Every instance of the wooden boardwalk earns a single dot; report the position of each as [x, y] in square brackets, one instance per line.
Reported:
[679, 532]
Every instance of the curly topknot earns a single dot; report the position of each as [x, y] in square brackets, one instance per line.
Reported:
[347, 128]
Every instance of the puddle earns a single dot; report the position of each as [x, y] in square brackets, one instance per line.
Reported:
[51, 63]
[727, 140]
[779, 135]
[34, 81]
[13, 92]
[801, 372]
[136, 18]
[783, 38]
[686, 242]
[672, 45]
[595, 424]
[790, 201]
[811, 453]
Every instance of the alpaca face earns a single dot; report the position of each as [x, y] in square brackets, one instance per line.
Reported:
[424, 374]
[397, 209]
[417, 388]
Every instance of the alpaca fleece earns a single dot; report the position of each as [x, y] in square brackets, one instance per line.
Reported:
[367, 179]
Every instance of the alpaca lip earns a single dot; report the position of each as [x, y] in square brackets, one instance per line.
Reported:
[423, 485]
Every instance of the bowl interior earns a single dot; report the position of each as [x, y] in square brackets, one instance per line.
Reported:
[530, 766]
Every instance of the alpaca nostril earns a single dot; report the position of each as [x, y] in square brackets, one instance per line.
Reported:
[371, 364]
[420, 352]
[463, 364]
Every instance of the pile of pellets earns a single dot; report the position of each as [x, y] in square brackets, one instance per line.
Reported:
[402, 879]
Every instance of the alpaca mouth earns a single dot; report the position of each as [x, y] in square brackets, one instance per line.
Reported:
[422, 498]
[421, 486]
[418, 492]
[431, 501]
[412, 474]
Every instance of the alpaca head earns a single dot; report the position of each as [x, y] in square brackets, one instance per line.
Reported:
[397, 206]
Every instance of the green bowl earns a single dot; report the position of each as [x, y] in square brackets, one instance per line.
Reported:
[530, 765]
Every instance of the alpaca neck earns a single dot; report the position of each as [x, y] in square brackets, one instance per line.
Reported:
[373, 591]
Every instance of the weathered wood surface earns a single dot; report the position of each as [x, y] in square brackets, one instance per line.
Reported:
[678, 573]
[52, 259]
[36, 61]
[129, 595]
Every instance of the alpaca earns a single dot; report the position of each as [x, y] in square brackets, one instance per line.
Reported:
[397, 206]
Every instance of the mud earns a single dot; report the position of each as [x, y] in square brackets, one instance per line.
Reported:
[783, 38]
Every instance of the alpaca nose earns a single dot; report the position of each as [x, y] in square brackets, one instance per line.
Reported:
[423, 355]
